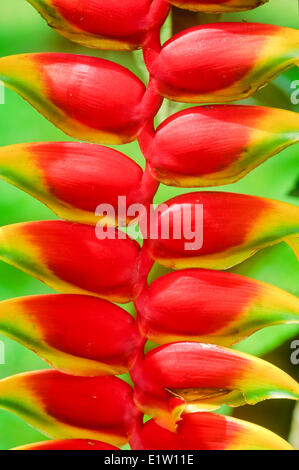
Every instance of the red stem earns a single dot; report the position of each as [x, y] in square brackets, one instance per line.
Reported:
[151, 49]
[149, 185]
[146, 139]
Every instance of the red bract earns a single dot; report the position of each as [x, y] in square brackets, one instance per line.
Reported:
[81, 404]
[198, 66]
[216, 145]
[66, 407]
[232, 228]
[73, 179]
[85, 108]
[68, 444]
[184, 377]
[211, 306]
[100, 24]
[76, 334]
[207, 431]
[71, 259]
[122, 25]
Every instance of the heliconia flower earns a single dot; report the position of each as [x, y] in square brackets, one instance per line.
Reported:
[76, 334]
[218, 230]
[67, 407]
[73, 178]
[216, 145]
[207, 431]
[68, 444]
[101, 24]
[185, 377]
[95, 105]
[218, 6]
[72, 259]
[197, 66]
[211, 307]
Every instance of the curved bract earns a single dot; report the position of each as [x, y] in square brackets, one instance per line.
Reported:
[76, 334]
[102, 24]
[184, 377]
[66, 407]
[74, 179]
[68, 444]
[85, 108]
[72, 259]
[211, 307]
[216, 145]
[218, 230]
[197, 65]
[218, 6]
[207, 431]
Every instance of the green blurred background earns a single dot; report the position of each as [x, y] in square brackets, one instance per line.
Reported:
[23, 30]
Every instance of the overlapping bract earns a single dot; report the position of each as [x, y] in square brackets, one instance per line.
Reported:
[71, 259]
[197, 65]
[74, 179]
[216, 145]
[120, 25]
[85, 108]
[67, 407]
[234, 227]
[77, 334]
[124, 25]
[184, 377]
[211, 307]
[207, 431]
[81, 335]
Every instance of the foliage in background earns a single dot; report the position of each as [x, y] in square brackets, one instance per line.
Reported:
[22, 30]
